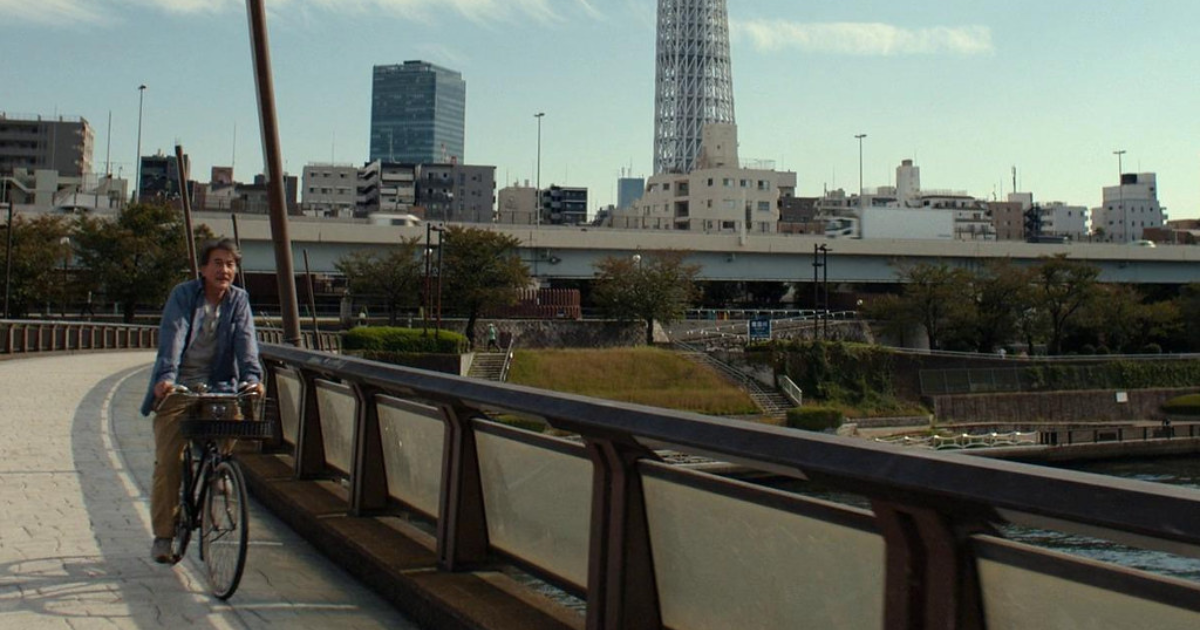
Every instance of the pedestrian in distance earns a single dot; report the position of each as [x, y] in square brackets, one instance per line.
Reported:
[492, 342]
[206, 341]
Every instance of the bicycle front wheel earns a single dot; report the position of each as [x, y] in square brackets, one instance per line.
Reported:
[185, 514]
[224, 529]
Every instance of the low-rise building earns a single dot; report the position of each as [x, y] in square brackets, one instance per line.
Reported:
[329, 190]
[34, 143]
[517, 204]
[718, 196]
[1129, 208]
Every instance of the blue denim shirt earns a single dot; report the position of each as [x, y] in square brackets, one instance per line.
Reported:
[237, 346]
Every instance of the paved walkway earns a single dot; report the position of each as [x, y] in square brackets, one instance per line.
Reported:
[75, 461]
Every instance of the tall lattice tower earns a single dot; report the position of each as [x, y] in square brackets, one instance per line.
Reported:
[694, 80]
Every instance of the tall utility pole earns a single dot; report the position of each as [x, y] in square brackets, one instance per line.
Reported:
[137, 163]
[1121, 194]
[538, 201]
[860, 168]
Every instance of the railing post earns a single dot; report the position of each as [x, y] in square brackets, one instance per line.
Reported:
[275, 444]
[462, 537]
[369, 491]
[931, 580]
[310, 441]
[622, 592]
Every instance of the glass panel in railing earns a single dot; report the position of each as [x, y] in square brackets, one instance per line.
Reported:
[1024, 587]
[288, 384]
[413, 436]
[733, 555]
[336, 404]
[537, 491]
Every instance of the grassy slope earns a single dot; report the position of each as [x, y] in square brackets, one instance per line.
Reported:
[640, 375]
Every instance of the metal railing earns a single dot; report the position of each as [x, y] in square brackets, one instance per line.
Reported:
[743, 380]
[18, 336]
[508, 359]
[325, 341]
[790, 390]
[965, 440]
[649, 545]
[33, 336]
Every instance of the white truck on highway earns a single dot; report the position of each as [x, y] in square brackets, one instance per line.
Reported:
[894, 223]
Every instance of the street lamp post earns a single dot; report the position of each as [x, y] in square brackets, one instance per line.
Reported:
[425, 292]
[538, 200]
[825, 289]
[820, 266]
[1121, 194]
[137, 163]
[860, 168]
[438, 322]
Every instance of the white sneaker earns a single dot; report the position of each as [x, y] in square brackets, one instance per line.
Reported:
[160, 551]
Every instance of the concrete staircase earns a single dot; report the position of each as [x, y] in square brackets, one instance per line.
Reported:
[487, 366]
[771, 402]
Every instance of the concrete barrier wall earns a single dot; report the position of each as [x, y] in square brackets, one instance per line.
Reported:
[1077, 406]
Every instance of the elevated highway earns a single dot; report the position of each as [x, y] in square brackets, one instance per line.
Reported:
[554, 252]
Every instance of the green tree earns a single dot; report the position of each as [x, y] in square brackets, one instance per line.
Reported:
[1122, 319]
[656, 286]
[1000, 295]
[481, 269]
[1062, 287]
[933, 296]
[394, 274]
[38, 255]
[136, 257]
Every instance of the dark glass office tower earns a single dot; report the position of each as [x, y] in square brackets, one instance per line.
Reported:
[418, 114]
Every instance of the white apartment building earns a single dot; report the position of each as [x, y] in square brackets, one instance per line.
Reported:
[329, 190]
[1129, 208]
[908, 184]
[718, 196]
[1061, 219]
[47, 190]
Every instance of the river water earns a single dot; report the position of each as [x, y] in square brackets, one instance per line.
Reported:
[1182, 471]
[1179, 471]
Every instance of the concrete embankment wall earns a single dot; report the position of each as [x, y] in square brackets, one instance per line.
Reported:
[1072, 406]
[1176, 447]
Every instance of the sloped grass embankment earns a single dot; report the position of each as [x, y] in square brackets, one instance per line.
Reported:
[645, 376]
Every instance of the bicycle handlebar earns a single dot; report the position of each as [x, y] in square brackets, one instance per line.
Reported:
[242, 394]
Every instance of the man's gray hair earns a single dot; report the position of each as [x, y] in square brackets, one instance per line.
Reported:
[226, 244]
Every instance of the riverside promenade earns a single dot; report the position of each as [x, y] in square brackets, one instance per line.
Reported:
[75, 465]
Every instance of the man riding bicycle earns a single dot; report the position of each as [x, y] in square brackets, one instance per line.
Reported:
[206, 340]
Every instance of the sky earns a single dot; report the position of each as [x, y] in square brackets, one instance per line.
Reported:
[969, 89]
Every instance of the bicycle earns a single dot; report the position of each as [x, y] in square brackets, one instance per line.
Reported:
[212, 493]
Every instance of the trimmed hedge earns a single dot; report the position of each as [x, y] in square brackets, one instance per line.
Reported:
[390, 339]
[814, 418]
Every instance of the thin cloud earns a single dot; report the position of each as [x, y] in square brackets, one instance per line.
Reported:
[61, 12]
[481, 11]
[865, 38]
[52, 12]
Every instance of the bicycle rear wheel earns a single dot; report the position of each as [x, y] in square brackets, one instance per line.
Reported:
[224, 529]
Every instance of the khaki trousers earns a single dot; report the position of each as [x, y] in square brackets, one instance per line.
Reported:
[168, 455]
